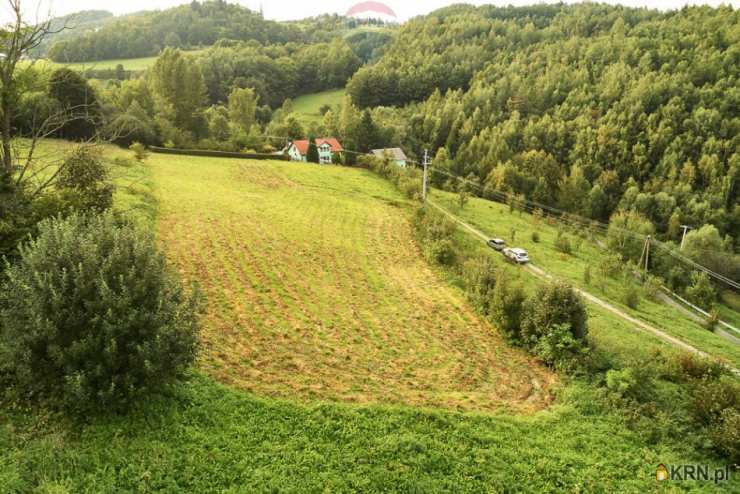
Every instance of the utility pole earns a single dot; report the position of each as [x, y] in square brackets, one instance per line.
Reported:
[424, 184]
[647, 252]
[685, 229]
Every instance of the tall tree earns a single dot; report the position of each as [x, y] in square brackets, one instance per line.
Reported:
[178, 89]
[78, 100]
[242, 108]
[312, 155]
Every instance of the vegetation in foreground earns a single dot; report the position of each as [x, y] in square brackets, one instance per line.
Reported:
[208, 437]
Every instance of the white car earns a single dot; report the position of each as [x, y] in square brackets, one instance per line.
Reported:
[517, 255]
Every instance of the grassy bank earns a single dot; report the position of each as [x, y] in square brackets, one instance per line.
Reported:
[497, 220]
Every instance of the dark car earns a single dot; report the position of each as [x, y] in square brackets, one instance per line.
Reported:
[497, 244]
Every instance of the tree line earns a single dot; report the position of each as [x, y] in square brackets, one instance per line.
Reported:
[192, 25]
[590, 109]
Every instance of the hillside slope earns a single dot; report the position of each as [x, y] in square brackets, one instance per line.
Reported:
[318, 290]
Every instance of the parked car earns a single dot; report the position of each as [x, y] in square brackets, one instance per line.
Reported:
[517, 255]
[497, 244]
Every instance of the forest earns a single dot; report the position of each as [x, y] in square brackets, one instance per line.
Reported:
[188, 26]
[587, 109]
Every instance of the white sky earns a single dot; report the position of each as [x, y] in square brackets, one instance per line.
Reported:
[292, 9]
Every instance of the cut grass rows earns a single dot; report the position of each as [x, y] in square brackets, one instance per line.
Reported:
[317, 290]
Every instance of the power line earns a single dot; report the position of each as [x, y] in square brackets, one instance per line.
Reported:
[531, 205]
[561, 215]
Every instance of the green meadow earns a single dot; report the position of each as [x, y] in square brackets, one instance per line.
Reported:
[334, 359]
[307, 106]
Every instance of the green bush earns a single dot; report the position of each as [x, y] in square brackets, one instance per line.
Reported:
[712, 397]
[701, 292]
[140, 151]
[631, 296]
[441, 252]
[535, 237]
[726, 434]
[622, 382]
[688, 366]
[558, 346]
[92, 318]
[556, 314]
[83, 182]
[563, 244]
[610, 266]
[634, 382]
[506, 307]
[480, 280]
[651, 287]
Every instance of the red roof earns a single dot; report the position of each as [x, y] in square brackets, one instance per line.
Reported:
[302, 146]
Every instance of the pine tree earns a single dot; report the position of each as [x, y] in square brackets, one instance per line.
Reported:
[312, 156]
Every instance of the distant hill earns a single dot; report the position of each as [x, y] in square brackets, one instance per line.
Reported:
[72, 26]
[186, 26]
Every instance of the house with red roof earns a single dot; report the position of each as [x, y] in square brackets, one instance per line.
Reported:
[327, 146]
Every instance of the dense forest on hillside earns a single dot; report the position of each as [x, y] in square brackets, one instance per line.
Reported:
[588, 108]
[276, 72]
[72, 26]
[192, 25]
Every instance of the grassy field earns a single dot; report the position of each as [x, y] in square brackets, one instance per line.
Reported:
[317, 290]
[134, 64]
[495, 219]
[335, 360]
[307, 106]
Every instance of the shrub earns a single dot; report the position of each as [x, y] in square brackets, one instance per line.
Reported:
[631, 296]
[611, 266]
[441, 252]
[433, 225]
[726, 434]
[558, 314]
[535, 237]
[701, 292]
[633, 382]
[91, 317]
[651, 287]
[712, 320]
[410, 186]
[622, 382]
[688, 366]
[83, 181]
[712, 397]
[480, 280]
[562, 244]
[506, 307]
[140, 151]
[558, 346]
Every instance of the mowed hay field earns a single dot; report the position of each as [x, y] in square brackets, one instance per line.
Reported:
[317, 289]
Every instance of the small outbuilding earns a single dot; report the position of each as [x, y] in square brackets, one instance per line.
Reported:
[396, 155]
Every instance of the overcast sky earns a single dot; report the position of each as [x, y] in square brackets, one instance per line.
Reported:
[292, 9]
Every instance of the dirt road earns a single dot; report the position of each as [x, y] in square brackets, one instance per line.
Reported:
[540, 273]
